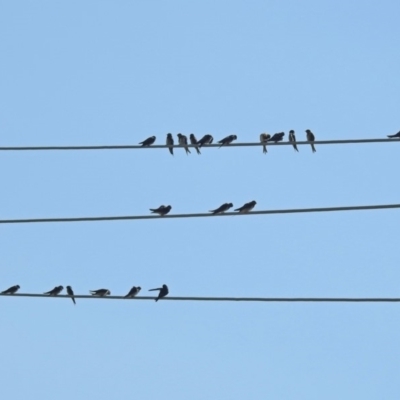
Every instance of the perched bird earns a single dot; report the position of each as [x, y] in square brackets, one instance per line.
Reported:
[227, 140]
[162, 210]
[182, 140]
[277, 137]
[170, 143]
[395, 135]
[222, 209]
[206, 139]
[134, 291]
[71, 293]
[11, 290]
[292, 139]
[148, 142]
[54, 292]
[311, 138]
[193, 140]
[264, 137]
[163, 291]
[100, 292]
[247, 207]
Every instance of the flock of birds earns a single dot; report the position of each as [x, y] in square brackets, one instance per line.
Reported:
[208, 139]
[163, 210]
[163, 291]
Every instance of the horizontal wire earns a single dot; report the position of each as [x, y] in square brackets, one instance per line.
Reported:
[199, 215]
[252, 299]
[163, 146]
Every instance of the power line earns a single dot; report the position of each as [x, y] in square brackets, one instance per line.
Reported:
[235, 299]
[159, 146]
[199, 215]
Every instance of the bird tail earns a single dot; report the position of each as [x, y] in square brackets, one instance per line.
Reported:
[151, 290]
[313, 148]
[391, 136]
[198, 150]
[265, 149]
[73, 300]
[295, 147]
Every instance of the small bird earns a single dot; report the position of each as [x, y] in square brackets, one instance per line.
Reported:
[182, 140]
[193, 140]
[71, 293]
[148, 142]
[206, 139]
[311, 138]
[222, 209]
[247, 207]
[264, 137]
[134, 291]
[162, 210]
[11, 290]
[292, 139]
[163, 291]
[100, 292]
[54, 292]
[395, 135]
[277, 137]
[227, 140]
[170, 143]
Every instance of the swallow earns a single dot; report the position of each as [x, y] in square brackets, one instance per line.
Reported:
[193, 140]
[134, 291]
[11, 290]
[277, 137]
[71, 293]
[222, 209]
[292, 139]
[162, 210]
[206, 139]
[100, 292]
[311, 138]
[247, 207]
[170, 143]
[182, 140]
[395, 135]
[227, 140]
[54, 292]
[148, 142]
[264, 137]
[163, 291]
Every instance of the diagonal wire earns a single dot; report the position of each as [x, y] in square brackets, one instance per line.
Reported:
[200, 215]
[159, 146]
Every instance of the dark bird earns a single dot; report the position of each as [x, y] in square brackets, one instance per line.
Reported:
[148, 142]
[395, 135]
[222, 209]
[134, 291]
[71, 293]
[292, 139]
[264, 137]
[170, 143]
[277, 137]
[100, 292]
[311, 138]
[163, 291]
[162, 210]
[206, 139]
[193, 140]
[11, 290]
[227, 140]
[247, 207]
[54, 292]
[182, 140]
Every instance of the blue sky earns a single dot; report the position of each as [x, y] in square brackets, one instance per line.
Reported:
[96, 72]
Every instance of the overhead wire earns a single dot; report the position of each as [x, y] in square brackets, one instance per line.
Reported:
[199, 215]
[232, 299]
[163, 146]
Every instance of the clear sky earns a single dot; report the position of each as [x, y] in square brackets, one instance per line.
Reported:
[106, 72]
